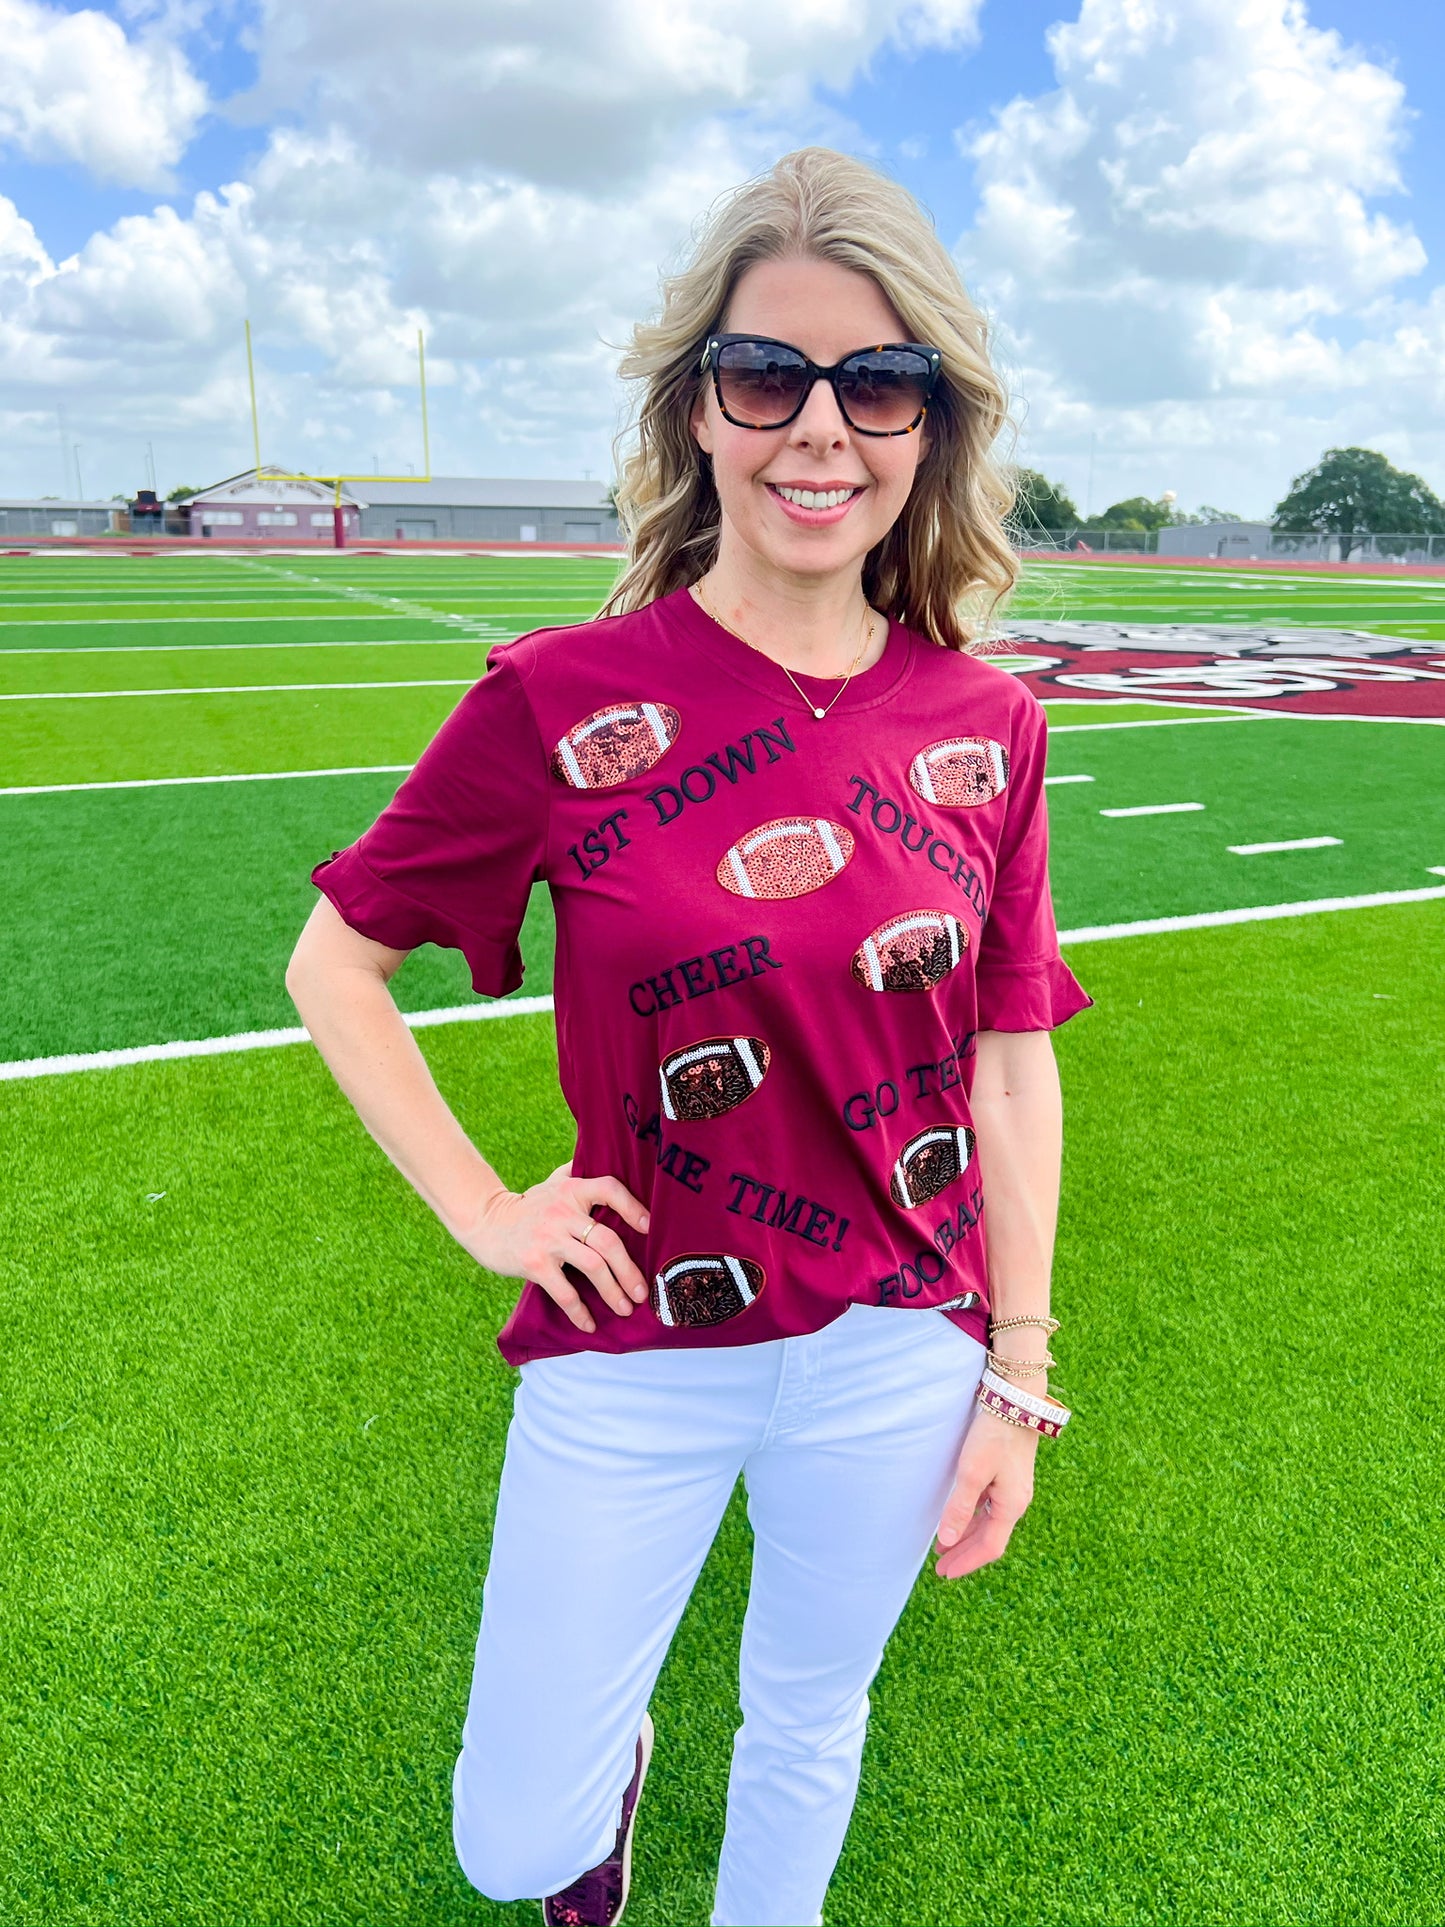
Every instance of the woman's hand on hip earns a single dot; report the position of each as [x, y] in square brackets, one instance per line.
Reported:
[534, 1233]
[991, 1493]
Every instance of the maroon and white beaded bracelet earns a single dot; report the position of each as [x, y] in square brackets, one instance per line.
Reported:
[1036, 1411]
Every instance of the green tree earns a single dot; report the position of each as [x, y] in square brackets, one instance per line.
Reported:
[1135, 512]
[1352, 493]
[1042, 507]
[181, 494]
[1206, 514]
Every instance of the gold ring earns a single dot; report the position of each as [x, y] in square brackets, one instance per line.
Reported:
[591, 1227]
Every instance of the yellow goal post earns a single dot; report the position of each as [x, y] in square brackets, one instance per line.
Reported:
[334, 478]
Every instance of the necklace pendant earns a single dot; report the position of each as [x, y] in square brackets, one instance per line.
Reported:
[820, 714]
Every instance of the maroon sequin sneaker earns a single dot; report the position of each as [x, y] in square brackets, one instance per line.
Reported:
[597, 1897]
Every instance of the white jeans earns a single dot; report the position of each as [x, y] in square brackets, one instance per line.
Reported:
[617, 1474]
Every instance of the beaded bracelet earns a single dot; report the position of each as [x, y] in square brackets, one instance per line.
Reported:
[1049, 1325]
[1025, 1367]
[1015, 1414]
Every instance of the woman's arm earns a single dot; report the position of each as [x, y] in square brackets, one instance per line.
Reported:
[338, 980]
[1018, 1116]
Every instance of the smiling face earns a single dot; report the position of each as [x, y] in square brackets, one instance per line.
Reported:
[828, 312]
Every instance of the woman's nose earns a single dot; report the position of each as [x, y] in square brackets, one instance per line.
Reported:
[819, 422]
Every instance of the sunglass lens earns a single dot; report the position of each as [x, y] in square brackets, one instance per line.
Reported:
[761, 381]
[884, 389]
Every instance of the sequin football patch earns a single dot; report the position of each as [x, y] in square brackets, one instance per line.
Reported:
[614, 745]
[711, 1078]
[961, 773]
[789, 857]
[702, 1288]
[913, 952]
[929, 1163]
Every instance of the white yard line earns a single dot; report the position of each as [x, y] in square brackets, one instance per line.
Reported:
[1296, 843]
[1068, 779]
[170, 782]
[1152, 809]
[533, 1006]
[413, 610]
[1245, 716]
[251, 1040]
[237, 648]
[233, 689]
[1207, 919]
[196, 622]
[1156, 722]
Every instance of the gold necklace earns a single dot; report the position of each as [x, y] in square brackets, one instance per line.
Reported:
[852, 667]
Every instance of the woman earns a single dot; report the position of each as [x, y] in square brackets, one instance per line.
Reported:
[770, 776]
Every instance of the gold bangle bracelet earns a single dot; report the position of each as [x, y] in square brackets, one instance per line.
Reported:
[1025, 1367]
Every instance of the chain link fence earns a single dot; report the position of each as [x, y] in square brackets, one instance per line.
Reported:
[1308, 547]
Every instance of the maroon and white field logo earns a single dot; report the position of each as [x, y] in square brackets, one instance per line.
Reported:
[1283, 670]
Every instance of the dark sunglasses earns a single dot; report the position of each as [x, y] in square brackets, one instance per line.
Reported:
[762, 383]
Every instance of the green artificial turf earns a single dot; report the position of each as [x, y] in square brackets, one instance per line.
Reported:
[244, 664]
[147, 915]
[251, 1431]
[1148, 592]
[31, 649]
[252, 1414]
[126, 737]
[171, 913]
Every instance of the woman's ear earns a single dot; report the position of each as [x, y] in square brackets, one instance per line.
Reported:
[698, 422]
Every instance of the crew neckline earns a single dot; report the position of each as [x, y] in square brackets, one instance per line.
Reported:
[745, 664]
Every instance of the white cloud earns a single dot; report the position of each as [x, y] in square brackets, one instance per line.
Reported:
[1184, 222]
[73, 87]
[577, 94]
[512, 178]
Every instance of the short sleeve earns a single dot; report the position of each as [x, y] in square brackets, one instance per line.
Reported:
[1022, 981]
[452, 858]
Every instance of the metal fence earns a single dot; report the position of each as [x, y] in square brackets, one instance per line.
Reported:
[1303, 547]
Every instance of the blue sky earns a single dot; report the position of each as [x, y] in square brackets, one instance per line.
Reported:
[1250, 286]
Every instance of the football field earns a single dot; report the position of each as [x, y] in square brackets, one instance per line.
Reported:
[252, 1412]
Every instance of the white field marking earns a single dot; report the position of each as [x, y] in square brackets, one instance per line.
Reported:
[1158, 722]
[1205, 579]
[1245, 716]
[252, 1040]
[174, 782]
[1207, 919]
[1295, 843]
[1152, 809]
[1068, 779]
[156, 622]
[139, 602]
[533, 1006]
[232, 689]
[238, 648]
[1436, 869]
[413, 610]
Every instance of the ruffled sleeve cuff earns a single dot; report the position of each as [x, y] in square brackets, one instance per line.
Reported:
[1029, 996]
[377, 909]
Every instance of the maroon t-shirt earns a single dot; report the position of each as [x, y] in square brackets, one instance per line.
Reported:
[777, 939]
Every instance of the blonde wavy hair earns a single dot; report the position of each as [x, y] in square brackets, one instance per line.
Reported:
[946, 563]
